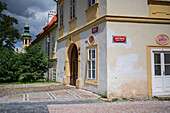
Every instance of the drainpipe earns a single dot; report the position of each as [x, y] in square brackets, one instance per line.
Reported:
[56, 8]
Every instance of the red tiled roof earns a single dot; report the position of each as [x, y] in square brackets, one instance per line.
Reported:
[52, 22]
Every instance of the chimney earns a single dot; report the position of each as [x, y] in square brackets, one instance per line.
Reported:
[51, 15]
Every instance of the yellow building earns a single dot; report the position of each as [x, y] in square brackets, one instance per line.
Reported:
[116, 47]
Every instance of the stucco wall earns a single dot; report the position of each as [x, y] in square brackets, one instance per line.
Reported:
[81, 14]
[127, 62]
[61, 60]
[102, 8]
[100, 39]
[128, 7]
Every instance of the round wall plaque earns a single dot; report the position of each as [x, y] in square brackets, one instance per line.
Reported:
[91, 40]
[162, 39]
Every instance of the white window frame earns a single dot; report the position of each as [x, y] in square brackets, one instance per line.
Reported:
[61, 16]
[90, 3]
[72, 9]
[91, 69]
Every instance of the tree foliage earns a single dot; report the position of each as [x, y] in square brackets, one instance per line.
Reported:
[29, 66]
[9, 63]
[8, 34]
[34, 63]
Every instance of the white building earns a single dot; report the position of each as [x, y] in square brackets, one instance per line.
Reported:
[115, 47]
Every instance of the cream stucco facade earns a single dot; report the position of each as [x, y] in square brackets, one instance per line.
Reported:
[117, 69]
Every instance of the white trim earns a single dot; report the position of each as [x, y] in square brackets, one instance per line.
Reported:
[91, 60]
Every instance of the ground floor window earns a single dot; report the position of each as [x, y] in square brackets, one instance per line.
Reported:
[54, 73]
[92, 64]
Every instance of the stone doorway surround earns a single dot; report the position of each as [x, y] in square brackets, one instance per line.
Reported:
[73, 40]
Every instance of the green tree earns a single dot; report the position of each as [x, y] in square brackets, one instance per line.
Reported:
[9, 65]
[8, 34]
[34, 63]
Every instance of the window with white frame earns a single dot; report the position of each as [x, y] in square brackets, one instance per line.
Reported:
[91, 2]
[54, 73]
[72, 9]
[53, 44]
[91, 64]
[61, 16]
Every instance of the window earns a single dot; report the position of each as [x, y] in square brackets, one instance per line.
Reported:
[91, 2]
[54, 73]
[25, 41]
[53, 44]
[61, 16]
[91, 64]
[46, 45]
[72, 9]
[91, 76]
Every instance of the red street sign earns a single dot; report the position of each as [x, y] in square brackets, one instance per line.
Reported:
[119, 39]
[94, 30]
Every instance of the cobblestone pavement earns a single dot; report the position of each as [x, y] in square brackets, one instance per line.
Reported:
[55, 99]
[27, 85]
[55, 95]
[115, 107]
[38, 107]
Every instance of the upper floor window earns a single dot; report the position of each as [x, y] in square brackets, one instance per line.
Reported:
[72, 9]
[46, 45]
[91, 2]
[53, 44]
[61, 16]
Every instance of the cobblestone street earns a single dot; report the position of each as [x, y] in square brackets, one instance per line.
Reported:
[57, 98]
[61, 93]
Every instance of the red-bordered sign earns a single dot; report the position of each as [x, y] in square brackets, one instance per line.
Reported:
[119, 39]
[162, 39]
[91, 39]
[94, 30]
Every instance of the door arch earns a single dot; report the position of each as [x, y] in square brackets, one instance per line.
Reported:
[73, 65]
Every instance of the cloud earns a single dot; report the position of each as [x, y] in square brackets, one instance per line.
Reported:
[37, 11]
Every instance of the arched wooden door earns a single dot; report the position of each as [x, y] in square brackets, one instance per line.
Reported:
[74, 65]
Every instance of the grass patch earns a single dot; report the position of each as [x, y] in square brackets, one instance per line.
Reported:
[114, 99]
[103, 96]
[124, 98]
[164, 99]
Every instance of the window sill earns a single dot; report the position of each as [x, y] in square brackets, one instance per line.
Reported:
[75, 18]
[61, 27]
[93, 82]
[93, 6]
[53, 59]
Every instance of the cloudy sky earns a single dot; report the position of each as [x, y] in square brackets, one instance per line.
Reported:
[37, 11]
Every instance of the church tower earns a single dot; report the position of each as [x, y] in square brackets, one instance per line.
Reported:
[26, 37]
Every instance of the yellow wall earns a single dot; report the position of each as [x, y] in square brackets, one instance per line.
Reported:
[159, 11]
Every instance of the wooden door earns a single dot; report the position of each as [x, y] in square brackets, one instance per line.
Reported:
[74, 66]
